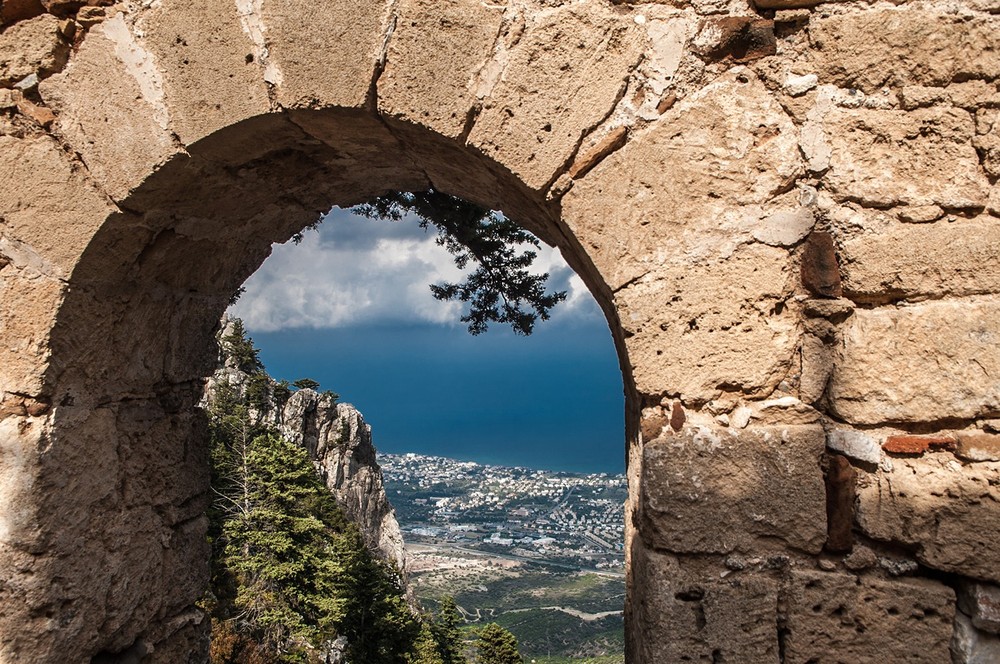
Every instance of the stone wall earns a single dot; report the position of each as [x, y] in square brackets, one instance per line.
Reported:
[789, 212]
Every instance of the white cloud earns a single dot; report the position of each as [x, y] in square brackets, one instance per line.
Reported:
[355, 271]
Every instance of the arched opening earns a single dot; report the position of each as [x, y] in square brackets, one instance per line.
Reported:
[519, 434]
[134, 339]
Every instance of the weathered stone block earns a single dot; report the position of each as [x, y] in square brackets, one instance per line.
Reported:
[208, 63]
[563, 76]
[31, 47]
[731, 621]
[970, 646]
[434, 61]
[697, 179]
[904, 46]
[50, 212]
[887, 157]
[978, 447]
[322, 52]
[920, 363]
[987, 140]
[924, 260]
[109, 106]
[981, 602]
[690, 328]
[30, 306]
[836, 617]
[12, 11]
[855, 444]
[716, 490]
[945, 510]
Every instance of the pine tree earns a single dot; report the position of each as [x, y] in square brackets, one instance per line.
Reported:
[378, 623]
[289, 572]
[446, 632]
[281, 530]
[497, 646]
[501, 289]
[425, 648]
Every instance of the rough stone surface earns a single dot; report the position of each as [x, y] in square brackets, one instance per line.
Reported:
[947, 511]
[152, 152]
[31, 47]
[96, 100]
[785, 228]
[904, 46]
[987, 140]
[956, 259]
[956, 339]
[210, 74]
[538, 106]
[971, 646]
[688, 474]
[434, 62]
[732, 620]
[854, 444]
[860, 619]
[302, 65]
[981, 602]
[978, 447]
[889, 157]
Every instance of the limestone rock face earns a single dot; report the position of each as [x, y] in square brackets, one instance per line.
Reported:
[904, 46]
[957, 258]
[32, 47]
[339, 442]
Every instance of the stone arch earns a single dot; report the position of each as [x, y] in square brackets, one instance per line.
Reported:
[737, 185]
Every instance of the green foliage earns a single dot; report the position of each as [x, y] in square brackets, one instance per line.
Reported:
[500, 289]
[289, 572]
[425, 648]
[497, 646]
[446, 629]
[282, 392]
[240, 348]
[306, 384]
[378, 623]
[280, 526]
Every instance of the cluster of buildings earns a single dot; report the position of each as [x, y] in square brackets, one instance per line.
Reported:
[566, 518]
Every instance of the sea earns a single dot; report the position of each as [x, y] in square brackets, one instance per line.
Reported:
[551, 401]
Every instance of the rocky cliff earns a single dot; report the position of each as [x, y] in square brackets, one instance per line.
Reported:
[338, 440]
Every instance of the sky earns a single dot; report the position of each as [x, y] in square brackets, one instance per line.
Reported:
[350, 306]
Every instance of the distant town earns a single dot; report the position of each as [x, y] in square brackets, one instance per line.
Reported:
[564, 519]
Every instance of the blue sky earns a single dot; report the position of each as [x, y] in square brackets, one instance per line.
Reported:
[350, 307]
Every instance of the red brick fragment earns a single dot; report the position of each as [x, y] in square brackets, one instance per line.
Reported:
[820, 271]
[917, 444]
[677, 416]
